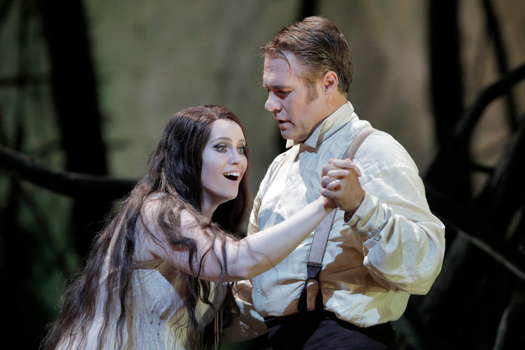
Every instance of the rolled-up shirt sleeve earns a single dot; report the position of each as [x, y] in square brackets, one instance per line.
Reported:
[405, 242]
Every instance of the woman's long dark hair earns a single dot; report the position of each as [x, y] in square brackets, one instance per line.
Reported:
[174, 170]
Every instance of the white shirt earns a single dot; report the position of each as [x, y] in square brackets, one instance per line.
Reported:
[392, 246]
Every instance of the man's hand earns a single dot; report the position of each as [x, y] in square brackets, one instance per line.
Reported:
[340, 183]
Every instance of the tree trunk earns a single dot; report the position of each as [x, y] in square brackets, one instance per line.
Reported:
[446, 82]
[77, 107]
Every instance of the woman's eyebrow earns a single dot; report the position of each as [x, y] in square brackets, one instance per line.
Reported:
[222, 138]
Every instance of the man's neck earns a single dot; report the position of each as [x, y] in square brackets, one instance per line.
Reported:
[332, 106]
[335, 102]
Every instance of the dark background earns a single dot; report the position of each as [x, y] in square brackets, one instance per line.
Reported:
[87, 86]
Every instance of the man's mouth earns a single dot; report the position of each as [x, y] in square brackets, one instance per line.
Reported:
[283, 124]
[232, 175]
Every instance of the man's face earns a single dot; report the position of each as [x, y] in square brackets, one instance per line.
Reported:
[296, 106]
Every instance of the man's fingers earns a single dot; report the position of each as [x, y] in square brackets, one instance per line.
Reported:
[327, 169]
[345, 164]
[330, 183]
[341, 163]
[325, 180]
[334, 185]
[338, 173]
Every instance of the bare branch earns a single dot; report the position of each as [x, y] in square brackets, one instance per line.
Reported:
[23, 80]
[70, 184]
[451, 213]
[494, 254]
[466, 125]
[494, 31]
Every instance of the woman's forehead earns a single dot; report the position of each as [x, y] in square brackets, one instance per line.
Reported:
[226, 128]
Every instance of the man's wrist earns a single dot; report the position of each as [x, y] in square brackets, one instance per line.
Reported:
[349, 213]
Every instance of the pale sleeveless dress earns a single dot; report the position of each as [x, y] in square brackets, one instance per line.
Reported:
[156, 318]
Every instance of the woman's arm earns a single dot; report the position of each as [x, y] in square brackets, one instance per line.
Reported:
[245, 258]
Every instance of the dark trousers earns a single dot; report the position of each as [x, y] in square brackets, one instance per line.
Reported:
[323, 330]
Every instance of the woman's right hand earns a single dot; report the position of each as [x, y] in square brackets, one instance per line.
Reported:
[328, 203]
[340, 183]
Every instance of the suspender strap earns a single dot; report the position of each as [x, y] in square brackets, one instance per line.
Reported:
[312, 274]
[358, 140]
[318, 247]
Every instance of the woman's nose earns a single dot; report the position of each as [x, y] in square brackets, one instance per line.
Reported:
[235, 157]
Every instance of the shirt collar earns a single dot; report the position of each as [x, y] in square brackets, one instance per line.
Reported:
[327, 127]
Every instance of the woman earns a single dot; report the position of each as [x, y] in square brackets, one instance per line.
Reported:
[150, 280]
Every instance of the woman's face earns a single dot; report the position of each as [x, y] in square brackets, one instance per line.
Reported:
[223, 163]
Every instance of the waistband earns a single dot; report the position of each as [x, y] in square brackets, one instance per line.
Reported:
[382, 332]
[272, 321]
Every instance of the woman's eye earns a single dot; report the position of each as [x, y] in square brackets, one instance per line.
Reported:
[242, 150]
[221, 147]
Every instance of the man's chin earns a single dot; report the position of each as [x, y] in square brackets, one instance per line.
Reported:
[287, 135]
[291, 137]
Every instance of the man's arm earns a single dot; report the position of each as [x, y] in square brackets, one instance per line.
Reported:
[405, 242]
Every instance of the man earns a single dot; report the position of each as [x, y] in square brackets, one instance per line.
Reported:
[384, 244]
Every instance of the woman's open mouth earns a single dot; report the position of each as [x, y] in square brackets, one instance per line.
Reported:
[232, 175]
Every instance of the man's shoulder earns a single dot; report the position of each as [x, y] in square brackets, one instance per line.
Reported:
[272, 173]
[382, 149]
[282, 157]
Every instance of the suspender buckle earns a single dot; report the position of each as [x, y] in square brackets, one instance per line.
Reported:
[312, 271]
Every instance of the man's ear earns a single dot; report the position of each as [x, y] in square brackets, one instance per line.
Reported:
[330, 81]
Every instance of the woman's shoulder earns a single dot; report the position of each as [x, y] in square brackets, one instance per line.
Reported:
[154, 202]
[155, 197]
[165, 207]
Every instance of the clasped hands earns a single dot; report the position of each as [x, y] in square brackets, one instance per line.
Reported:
[340, 185]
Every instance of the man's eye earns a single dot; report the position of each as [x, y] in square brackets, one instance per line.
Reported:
[221, 147]
[282, 94]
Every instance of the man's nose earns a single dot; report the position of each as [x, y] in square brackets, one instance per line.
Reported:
[272, 105]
